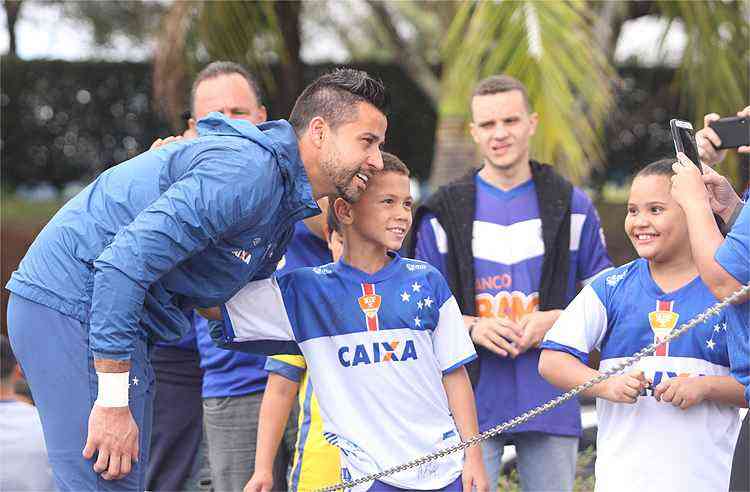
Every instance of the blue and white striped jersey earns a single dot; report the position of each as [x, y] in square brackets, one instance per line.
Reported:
[377, 347]
[653, 445]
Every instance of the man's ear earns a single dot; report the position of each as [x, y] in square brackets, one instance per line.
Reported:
[344, 212]
[534, 121]
[261, 115]
[317, 130]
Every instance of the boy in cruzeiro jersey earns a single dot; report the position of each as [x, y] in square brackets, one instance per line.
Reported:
[384, 343]
[316, 462]
[671, 421]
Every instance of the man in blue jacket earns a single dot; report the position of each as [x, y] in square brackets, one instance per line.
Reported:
[184, 225]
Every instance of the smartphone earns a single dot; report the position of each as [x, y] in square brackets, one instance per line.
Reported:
[733, 131]
[684, 140]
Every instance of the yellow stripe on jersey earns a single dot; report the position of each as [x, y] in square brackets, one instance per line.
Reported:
[316, 462]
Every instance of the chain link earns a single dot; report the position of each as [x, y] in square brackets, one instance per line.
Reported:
[545, 407]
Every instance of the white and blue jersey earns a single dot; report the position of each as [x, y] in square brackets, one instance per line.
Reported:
[653, 445]
[508, 253]
[234, 373]
[377, 346]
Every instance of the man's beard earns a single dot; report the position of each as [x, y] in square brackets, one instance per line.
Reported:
[344, 184]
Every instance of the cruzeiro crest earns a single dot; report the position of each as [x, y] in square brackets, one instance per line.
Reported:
[369, 302]
[662, 322]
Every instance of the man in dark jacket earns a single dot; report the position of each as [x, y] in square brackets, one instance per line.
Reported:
[514, 241]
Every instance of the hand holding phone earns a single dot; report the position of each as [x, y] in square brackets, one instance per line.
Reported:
[733, 131]
[684, 140]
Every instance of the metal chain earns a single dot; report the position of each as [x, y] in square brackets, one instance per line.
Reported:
[545, 407]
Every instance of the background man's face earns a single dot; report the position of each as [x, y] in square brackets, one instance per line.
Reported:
[502, 127]
[228, 94]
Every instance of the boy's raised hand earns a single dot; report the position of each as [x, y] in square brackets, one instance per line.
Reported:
[624, 388]
[682, 391]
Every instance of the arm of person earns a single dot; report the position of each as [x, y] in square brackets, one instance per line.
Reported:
[566, 371]
[278, 400]
[195, 210]
[461, 402]
[686, 391]
[689, 191]
[581, 328]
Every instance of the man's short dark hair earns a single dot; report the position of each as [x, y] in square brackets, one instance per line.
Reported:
[334, 97]
[501, 83]
[217, 68]
[7, 359]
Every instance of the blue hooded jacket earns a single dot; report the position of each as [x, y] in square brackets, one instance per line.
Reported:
[184, 225]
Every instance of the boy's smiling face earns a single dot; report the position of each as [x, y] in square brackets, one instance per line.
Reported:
[382, 215]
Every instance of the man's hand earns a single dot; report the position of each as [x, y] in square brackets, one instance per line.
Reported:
[708, 141]
[624, 388]
[161, 142]
[474, 476]
[112, 432]
[261, 481]
[535, 325]
[682, 391]
[721, 194]
[499, 335]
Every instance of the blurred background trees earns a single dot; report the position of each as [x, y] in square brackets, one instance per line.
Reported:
[565, 52]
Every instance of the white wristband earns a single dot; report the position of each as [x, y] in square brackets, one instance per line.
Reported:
[113, 389]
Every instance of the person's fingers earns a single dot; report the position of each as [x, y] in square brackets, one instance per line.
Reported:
[125, 465]
[710, 137]
[485, 340]
[744, 112]
[113, 470]
[102, 461]
[90, 448]
[511, 325]
[503, 344]
[709, 118]
[744, 149]
[668, 395]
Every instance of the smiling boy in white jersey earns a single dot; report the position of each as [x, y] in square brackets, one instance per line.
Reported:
[670, 422]
[384, 342]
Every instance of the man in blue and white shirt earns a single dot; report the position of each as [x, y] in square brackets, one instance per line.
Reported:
[514, 240]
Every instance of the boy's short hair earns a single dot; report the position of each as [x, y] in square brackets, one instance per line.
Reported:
[334, 97]
[662, 167]
[393, 164]
[7, 359]
[501, 83]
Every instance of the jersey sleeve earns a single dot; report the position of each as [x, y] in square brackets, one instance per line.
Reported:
[256, 321]
[592, 250]
[451, 342]
[431, 242]
[581, 326]
[738, 344]
[194, 211]
[734, 253]
[291, 367]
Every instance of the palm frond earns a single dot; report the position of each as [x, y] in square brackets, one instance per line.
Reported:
[549, 47]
